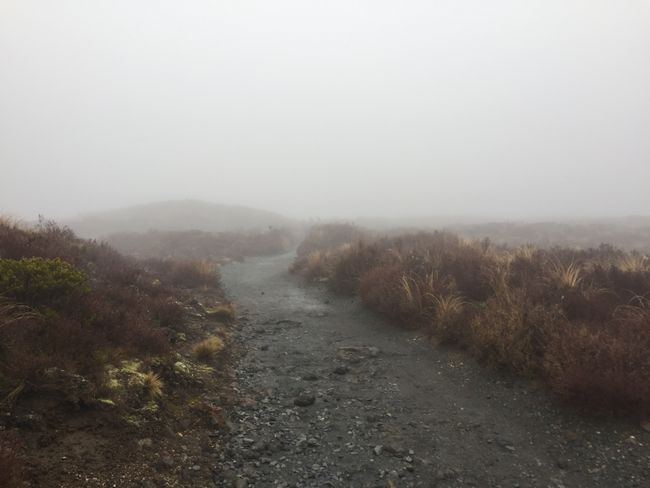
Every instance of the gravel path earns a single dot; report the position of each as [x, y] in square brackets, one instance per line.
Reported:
[334, 396]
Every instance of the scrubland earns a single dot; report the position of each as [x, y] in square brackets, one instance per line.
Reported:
[88, 333]
[579, 319]
[201, 245]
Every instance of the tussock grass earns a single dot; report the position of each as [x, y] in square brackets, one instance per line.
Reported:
[569, 276]
[579, 319]
[224, 312]
[633, 263]
[207, 349]
[153, 385]
[186, 273]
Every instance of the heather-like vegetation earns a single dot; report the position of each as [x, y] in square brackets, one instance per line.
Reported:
[85, 325]
[579, 319]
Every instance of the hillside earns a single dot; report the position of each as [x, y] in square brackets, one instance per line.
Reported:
[176, 215]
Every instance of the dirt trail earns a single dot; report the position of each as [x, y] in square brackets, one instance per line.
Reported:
[391, 410]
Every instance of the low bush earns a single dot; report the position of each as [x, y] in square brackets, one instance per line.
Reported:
[578, 318]
[78, 305]
[329, 236]
[223, 312]
[11, 465]
[39, 280]
[186, 274]
[207, 349]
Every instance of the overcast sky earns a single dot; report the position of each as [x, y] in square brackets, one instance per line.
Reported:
[509, 109]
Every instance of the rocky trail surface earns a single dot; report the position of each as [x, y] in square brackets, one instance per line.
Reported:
[333, 396]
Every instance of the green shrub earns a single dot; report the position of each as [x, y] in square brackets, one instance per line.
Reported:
[39, 280]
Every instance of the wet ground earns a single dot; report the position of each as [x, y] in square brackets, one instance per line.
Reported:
[335, 396]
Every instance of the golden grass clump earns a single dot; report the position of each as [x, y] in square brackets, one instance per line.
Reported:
[153, 385]
[569, 276]
[634, 263]
[448, 306]
[224, 312]
[208, 348]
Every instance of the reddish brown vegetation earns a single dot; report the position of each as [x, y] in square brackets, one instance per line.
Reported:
[187, 274]
[87, 331]
[578, 318]
[119, 312]
[10, 462]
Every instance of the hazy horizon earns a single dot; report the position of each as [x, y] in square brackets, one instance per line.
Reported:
[381, 220]
[505, 110]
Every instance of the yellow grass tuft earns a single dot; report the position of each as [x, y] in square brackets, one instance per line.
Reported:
[153, 385]
[570, 275]
[448, 306]
[634, 263]
[225, 312]
[207, 349]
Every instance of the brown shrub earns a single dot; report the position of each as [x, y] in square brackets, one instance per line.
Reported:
[167, 311]
[225, 312]
[118, 315]
[329, 236]
[381, 289]
[602, 367]
[509, 330]
[451, 318]
[207, 349]
[11, 464]
[188, 274]
[580, 318]
[315, 265]
[351, 263]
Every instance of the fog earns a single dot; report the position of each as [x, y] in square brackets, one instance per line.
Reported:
[506, 109]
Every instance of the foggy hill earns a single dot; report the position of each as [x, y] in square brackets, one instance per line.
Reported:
[176, 215]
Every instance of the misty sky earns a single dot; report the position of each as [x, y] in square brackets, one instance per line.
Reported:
[493, 108]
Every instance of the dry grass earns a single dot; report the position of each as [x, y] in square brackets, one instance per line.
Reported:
[225, 312]
[153, 385]
[448, 306]
[568, 276]
[633, 263]
[207, 349]
[605, 368]
[186, 273]
[579, 319]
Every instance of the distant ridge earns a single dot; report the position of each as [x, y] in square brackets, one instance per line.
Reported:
[176, 215]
